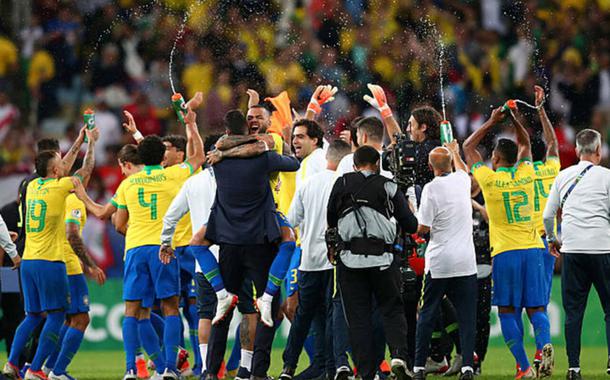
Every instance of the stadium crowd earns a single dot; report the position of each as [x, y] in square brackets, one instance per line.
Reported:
[345, 293]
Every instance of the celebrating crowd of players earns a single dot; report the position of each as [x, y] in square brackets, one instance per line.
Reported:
[267, 176]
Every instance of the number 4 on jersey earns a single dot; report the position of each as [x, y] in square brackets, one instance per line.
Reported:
[152, 204]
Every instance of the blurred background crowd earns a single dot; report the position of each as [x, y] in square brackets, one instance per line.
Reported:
[59, 57]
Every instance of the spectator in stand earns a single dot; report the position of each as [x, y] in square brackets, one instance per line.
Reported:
[144, 115]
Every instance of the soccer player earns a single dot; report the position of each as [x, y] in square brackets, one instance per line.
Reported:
[43, 271]
[195, 197]
[516, 246]
[175, 152]
[546, 166]
[143, 198]
[77, 318]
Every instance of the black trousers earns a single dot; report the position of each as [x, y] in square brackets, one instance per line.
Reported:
[483, 311]
[315, 299]
[462, 292]
[578, 273]
[411, 303]
[238, 263]
[357, 288]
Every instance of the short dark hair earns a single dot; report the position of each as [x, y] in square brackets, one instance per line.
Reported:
[365, 155]
[235, 122]
[47, 144]
[337, 150]
[151, 150]
[373, 127]
[129, 153]
[538, 149]
[314, 131]
[508, 150]
[432, 118]
[209, 142]
[41, 162]
[177, 141]
[262, 106]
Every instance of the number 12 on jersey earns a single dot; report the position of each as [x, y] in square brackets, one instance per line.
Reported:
[152, 204]
[513, 214]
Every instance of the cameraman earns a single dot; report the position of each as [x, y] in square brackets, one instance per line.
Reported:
[446, 214]
[361, 209]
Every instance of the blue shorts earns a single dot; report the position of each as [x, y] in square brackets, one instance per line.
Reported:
[549, 268]
[145, 277]
[79, 294]
[282, 220]
[518, 278]
[45, 285]
[186, 258]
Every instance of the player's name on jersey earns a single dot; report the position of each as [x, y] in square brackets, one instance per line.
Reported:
[150, 179]
[514, 182]
[546, 172]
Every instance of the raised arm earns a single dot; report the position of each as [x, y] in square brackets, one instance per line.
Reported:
[322, 95]
[458, 163]
[70, 157]
[194, 138]
[100, 212]
[523, 138]
[79, 248]
[89, 162]
[130, 126]
[470, 145]
[550, 138]
[380, 103]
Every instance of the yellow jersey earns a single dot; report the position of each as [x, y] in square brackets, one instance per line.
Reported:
[147, 195]
[545, 176]
[44, 219]
[509, 198]
[75, 213]
[184, 228]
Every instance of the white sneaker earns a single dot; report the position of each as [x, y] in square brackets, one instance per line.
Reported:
[264, 307]
[548, 361]
[436, 367]
[400, 370]
[130, 375]
[31, 375]
[11, 372]
[64, 376]
[456, 366]
[156, 376]
[171, 375]
[224, 307]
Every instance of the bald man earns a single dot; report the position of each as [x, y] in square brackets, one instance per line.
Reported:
[446, 214]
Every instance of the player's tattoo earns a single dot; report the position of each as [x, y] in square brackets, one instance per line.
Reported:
[88, 163]
[244, 333]
[79, 248]
[246, 150]
[72, 154]
[229, 142]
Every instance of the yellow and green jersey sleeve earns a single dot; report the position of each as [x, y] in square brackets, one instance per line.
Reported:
[75, 213]
[44, 221]
[509, 200]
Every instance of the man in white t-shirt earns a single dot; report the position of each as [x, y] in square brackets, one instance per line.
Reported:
[446, 213]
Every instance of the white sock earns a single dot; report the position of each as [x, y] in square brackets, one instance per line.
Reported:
[222, 293]
[246, 359]
[467, 368]
[575, 369]
[417, 369]
[267, 297]
[203, 350]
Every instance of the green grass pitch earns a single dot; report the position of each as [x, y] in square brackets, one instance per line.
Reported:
[499, 364]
